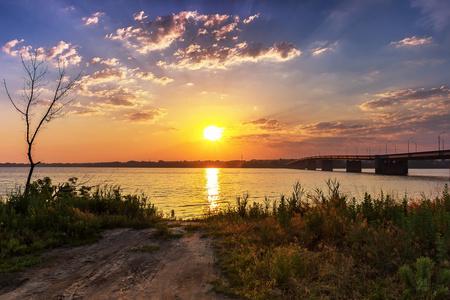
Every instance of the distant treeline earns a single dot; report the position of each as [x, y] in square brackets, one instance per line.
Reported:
[279, 163]
[263, 163]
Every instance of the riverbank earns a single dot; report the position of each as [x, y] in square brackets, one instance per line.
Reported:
[307, 245]
[327, 246]
[70, 241]
[53, 215]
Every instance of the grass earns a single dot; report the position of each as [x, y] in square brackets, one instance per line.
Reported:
[321, 245]
[164, 231]
[65, 214]
[329, 246]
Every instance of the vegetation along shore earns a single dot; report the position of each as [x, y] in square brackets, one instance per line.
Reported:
[319, 245]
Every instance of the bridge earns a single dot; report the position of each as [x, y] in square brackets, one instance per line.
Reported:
[385, 164]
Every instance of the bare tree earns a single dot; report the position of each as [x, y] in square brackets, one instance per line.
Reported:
[35, 72]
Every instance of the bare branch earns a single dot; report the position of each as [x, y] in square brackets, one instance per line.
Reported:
[61, 91]
[35, 72]
[11, 100]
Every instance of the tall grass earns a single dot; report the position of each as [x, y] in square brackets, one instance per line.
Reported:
[327, 245]
[67, 213]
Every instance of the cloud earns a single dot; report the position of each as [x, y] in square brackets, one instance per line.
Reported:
[202, 31]
[155, 35]
[111, 62]
[120, 96]
[392, 115]
[68, 9]
[203, 41]
[266, 124]
[121, 107]
[222, 32]
[149, 76]
[140, 16]
[214, 20]
[196, 57]
[388, 99]
[93, 19]
[322, 48]
[412, 41]
[8, 47]
[436, 12]
[90, 83]
[80, 109]
[63, 52]
[334, 128]
[122, 75]
[250, 19]
[116, 92]
[112, 100]
[421, 110]
[145, 115]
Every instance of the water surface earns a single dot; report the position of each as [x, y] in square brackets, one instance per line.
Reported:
[191, 192]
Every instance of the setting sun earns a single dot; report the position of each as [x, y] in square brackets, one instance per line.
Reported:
[212, 133]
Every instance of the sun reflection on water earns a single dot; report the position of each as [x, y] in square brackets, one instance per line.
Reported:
[212, 187]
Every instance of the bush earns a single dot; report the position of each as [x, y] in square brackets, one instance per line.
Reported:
[424, 280]
[357, 246]
[52, 215]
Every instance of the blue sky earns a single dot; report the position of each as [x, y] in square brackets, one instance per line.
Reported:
[284, 78]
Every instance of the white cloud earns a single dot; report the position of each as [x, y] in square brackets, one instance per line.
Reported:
[209, 41]
[250, 19]
[157, 34]
[195, 57]
[322, 47]
[63, 52]
[8, 47]
[412, 41]
[222, 32]
[93, 19]
[140, 16]
[214, 20]
[111, 62]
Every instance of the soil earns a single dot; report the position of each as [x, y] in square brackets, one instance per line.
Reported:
[123, 264]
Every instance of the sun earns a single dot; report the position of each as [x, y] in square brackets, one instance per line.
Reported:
[212, 133]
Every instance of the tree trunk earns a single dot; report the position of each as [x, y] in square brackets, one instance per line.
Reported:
[30, 171]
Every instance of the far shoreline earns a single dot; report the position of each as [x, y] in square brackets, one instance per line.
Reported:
[282, 163]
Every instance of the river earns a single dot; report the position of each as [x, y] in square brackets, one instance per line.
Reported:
[191, 192]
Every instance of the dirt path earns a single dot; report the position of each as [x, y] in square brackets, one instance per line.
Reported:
[124, 264]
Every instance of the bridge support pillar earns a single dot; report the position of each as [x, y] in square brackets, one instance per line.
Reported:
[301, 164]
[311, 164]
[389, 166]
[354, 166]
[327, 165]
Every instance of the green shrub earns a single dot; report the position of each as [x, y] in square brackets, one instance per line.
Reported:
[424, 280]
[66, 213]
[329, 246]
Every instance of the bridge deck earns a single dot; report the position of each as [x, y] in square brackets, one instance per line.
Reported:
[424, 155]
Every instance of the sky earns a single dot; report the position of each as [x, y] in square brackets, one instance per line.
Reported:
[283, 79]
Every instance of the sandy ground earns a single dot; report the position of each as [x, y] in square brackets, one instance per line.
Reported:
[112, 268]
